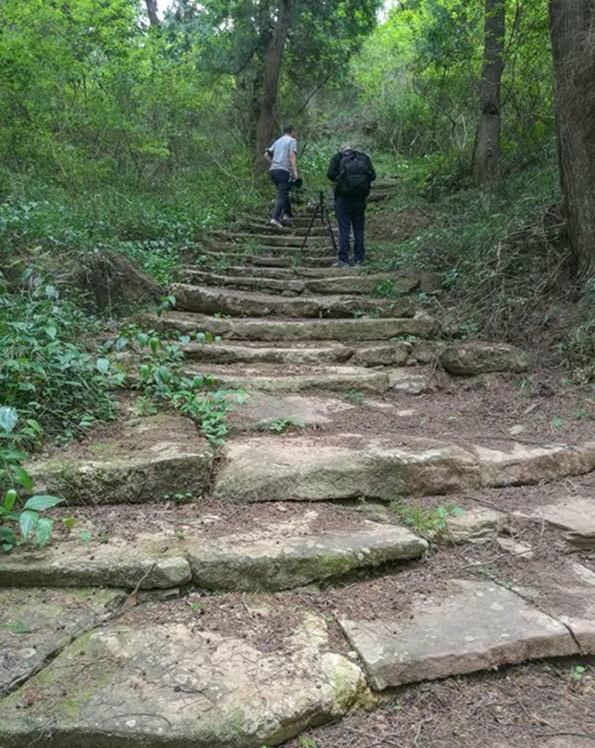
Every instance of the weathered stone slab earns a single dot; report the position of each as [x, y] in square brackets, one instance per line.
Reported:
[261, 283]
[155, 684]
[477, 357]
[350, 330]
[225, 353]
[36, 624]
[524, 465]
[392, 354]
[261, 411]
[208, 300]
[116, 563]
[333, 378]
[277, 562]
[575, 515]
[361, 284]
[146, 459]
[474, 626]
[475, 524]
[303, 468]
[350, 466]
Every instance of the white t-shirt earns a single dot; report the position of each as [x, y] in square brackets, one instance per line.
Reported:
[280, 151]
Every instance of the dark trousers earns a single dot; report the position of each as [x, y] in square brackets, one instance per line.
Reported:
[281, 179]
[351, 213]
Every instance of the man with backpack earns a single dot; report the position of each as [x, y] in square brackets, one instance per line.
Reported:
[353, 173]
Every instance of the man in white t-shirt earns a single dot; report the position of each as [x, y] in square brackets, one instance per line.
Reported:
[282, 157]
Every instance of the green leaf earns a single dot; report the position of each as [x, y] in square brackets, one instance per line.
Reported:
[10, 498]
[41, 503]
[86, 536]
[22, 477]
[8, 419]
[27, 522]
[556, 424]
[43, 531]
[69, 523]
[8, 538]
[102, 365]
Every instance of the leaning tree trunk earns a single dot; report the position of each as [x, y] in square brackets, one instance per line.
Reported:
[573, 43]
[152, 12]
[273, 58]
[487, 149]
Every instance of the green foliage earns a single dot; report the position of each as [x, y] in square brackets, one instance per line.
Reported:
[19, 524]
[282, 424]
[161, 377]
[418, 75]
[427, 521]
[45, 372]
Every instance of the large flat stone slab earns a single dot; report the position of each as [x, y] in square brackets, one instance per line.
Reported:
[147, 563]
[523, 464]
[478, 357]
[262, 411]
[348, 466]
[208, 300]
[278, 561]
[134, 685]
[362, 328]
[36, 624]
[472, 626]
[227, 353]
[575, 515]
[146, 459]
[333, 378]
[261, 283]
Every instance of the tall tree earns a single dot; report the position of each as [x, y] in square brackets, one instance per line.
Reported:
[271, 71]
[152, 12]
[573, 43]
[487, 151]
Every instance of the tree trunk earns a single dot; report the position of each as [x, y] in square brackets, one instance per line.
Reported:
[573, 43]
[487, 148]
[273, 57]
[152, 12]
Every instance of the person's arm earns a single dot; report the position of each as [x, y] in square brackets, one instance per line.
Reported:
[333, 167]
[268, 155]
[293, 160]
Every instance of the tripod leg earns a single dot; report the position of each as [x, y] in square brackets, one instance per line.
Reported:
[314, 215]
[329, 226]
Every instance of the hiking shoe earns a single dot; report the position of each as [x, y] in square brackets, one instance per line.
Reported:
[340, 264]
[275, 222]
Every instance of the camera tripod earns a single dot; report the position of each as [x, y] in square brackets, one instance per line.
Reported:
[321, 211]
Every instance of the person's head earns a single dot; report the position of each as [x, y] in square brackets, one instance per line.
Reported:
[346, 147]
[289, 130]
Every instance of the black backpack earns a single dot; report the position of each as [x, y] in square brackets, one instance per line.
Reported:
[354, 175]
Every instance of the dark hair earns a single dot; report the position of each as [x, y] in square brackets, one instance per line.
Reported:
[288, 129]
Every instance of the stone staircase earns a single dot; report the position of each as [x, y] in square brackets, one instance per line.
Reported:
[370, 524]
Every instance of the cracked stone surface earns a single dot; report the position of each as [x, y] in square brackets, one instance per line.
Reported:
[574, 515]
[36, 624]
[132, 685]
[474, 626]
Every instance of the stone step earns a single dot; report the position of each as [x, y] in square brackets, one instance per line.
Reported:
[331, 378]
[310, 251]
[345, 466]
[209, 300]
[142, 459]
[345, 284]
[292, 272]
[286, 330]
[163, 674]
[272, 260]
[469, 626]
[295, 229]
[281, 556]
[280, 239]
[380, 354]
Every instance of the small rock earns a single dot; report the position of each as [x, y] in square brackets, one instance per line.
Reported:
[516, 429]
[515, 548]
[477, 357]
